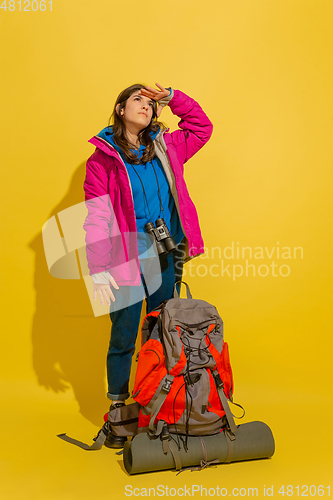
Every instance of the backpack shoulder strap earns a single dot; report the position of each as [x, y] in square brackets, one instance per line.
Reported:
[224, 401]
[159, 401]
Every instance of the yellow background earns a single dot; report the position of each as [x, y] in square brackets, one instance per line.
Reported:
[262, 71]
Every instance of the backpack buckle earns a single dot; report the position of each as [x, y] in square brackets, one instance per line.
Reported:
[165, 433]
[167, 385]
[165, 438]
[218, 380]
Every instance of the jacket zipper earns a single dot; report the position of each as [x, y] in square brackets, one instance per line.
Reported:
[129, 182]
[121, 160]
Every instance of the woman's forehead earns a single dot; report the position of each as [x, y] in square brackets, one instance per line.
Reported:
[138, 93]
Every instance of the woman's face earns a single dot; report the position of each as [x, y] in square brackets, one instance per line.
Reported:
[138, 111]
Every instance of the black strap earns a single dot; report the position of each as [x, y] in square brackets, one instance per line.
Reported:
[144, 191]
[125, 422]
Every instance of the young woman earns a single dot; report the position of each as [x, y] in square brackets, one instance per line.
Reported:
[135, 177]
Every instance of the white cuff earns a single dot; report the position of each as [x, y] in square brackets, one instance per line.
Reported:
[101, 278]
[165, 100]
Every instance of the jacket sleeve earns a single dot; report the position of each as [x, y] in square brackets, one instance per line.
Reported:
[99, 217]
[195, 128]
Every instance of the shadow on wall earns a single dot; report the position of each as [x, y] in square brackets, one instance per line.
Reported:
[69, 342]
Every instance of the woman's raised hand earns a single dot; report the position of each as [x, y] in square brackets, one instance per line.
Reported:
[155, 94]
[104, 291]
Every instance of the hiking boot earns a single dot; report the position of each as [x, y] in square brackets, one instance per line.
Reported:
[113, 441]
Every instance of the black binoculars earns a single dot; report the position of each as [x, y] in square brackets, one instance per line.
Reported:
[164, 241]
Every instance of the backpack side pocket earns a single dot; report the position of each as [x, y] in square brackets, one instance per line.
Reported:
[225, 371]
[150, 371]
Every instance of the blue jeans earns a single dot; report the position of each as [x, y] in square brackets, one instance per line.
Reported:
[125, 321]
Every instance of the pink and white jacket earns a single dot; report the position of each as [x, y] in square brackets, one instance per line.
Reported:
[111, 243]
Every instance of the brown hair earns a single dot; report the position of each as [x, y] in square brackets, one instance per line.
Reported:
[119, 129]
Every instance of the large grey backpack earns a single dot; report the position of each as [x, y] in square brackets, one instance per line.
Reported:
[183, 377]
[181, 418]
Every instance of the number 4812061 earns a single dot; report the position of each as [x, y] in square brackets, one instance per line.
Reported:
[26, 5]
[305, 491]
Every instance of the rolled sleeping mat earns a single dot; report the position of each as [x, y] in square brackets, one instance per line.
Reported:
[252, 440]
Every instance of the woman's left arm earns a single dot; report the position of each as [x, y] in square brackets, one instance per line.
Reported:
[195, 128]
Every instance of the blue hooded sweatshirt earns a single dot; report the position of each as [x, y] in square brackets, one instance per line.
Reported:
[148, 213]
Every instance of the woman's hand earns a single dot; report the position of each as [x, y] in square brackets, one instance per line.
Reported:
[156, 95]
[104, 291]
